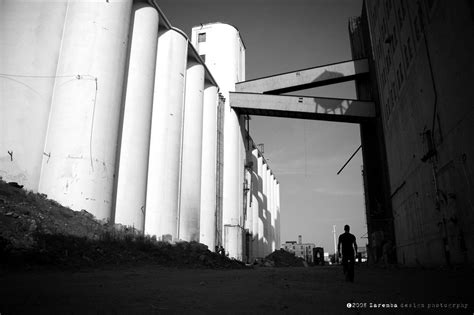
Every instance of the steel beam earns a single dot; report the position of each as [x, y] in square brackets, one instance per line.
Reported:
[291, 106]
[306, 78]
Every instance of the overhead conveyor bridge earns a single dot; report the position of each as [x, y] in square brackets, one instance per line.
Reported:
[306, 78]
[261, 96]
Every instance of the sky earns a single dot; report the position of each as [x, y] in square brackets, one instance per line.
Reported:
[305, 155]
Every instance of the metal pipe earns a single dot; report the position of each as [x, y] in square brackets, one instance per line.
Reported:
[353, 154]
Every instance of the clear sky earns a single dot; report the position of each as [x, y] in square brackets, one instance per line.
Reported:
[287, 35]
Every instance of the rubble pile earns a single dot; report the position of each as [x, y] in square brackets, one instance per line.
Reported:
[282, 258]
[35, 231]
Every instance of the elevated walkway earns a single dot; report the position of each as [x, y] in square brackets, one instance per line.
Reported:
[261, 96]
[291, 106]
[306, 78]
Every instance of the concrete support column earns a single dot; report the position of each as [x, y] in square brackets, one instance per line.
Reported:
[190, 202]
[208, 169]
[136, 125]
[161, 218]
[28, 70]
[81, 141]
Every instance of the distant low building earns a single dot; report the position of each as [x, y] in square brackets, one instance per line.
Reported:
[300, 249]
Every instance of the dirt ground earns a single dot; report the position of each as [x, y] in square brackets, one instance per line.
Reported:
[293, 290]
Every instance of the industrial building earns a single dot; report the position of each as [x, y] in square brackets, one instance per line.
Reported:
[420, 55]
[300, 249]
[250, 190]
[106, 107]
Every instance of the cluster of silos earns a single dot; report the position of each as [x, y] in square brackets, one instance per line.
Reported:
[105, 107]
[224, 52]
[263, 211]
[221, 47]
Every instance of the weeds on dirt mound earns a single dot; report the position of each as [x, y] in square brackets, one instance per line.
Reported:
[60, 251]
[36, 231]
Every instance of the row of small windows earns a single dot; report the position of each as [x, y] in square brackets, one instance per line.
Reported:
[301, 247]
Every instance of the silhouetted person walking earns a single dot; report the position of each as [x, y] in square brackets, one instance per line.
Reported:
[349, 251]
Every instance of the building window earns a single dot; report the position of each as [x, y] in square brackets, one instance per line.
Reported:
[201, 37]
[203, 57]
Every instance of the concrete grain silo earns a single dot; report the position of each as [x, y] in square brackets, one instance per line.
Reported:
[190, 191]
[136, 118]
[208, 168]
[224, 54]
[269, 227]
[261, 206]
[278, 217]
[30, 41]
[266, 214]
[272, 211]
[255, 204]
[106, 107]
[81, 141]
[164, 166]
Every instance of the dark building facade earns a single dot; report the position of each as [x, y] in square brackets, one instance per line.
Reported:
[422, 80]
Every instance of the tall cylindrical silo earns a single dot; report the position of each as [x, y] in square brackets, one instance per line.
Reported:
[255, 203]
[208, 169]
[30, 40]
[223, 48]
[242, 134]
[272, 212]
[278, 215]
[82, 135]
[261, 207]
[136, 120]
[266, 214]
[161, 215]
[248, 226]
[190, 190]
[268, 222]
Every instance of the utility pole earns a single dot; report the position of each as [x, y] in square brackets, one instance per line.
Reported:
[335, 245]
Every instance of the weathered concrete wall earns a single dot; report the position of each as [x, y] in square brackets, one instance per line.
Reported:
[30, 41]
[431, 193]
[81, 141]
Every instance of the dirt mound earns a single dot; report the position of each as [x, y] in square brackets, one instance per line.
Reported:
[282, 258]
[35, 231]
